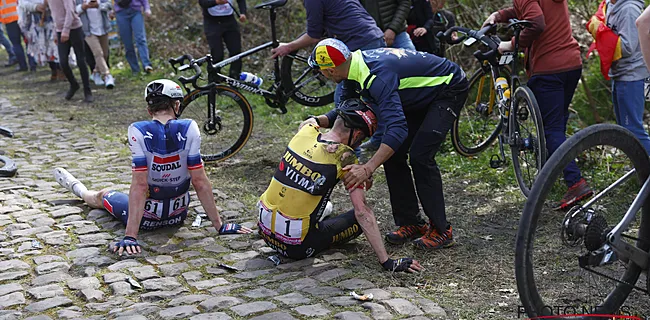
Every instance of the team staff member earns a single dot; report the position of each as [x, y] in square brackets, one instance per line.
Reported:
[220, 25]
[417, 96]
[165, 159]
[292, 210]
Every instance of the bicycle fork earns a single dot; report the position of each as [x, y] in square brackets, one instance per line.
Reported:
[213, 124]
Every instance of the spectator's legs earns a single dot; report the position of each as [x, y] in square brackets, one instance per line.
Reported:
[15, 35]
[103, 42]
[78, 43]
[126, 34]
[553, 93]
[64, 53]
[7, 44]
[402, 40]
[94, 44]
[90, 57]
[232, 38]
[137, 24]
[628, 106]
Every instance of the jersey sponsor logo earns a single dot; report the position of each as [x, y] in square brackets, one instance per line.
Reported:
[300, 174]
[154, 224]
[180, 137]
[133, 138]
[166, 163]
[149, 135]
[346, 234]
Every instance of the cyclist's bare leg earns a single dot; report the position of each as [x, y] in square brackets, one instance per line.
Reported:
[95, 199]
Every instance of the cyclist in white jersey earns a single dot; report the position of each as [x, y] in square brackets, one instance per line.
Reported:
[165, 159]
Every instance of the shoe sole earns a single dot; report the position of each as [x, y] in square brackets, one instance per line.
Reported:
[567, 205]
[444, 246]
[401, 241]
[110, 86]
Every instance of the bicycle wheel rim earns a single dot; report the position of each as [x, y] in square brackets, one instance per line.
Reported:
[528, 283]
[315, 91]
[529, 150]
[236, 122]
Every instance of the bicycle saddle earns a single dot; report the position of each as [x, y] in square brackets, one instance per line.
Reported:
[271, 4]
[519, 24]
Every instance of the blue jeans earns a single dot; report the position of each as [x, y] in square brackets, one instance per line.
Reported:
[131, 24]
[402, 40]
[554, 93]
[7, 44]
[629, 103]
[16, 37]
[346, 87]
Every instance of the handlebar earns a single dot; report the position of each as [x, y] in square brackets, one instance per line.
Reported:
[194, 64]
[484, 36]
[179, 60]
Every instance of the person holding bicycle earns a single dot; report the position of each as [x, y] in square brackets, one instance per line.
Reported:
[417, 96]
[220, 26]
[294, 209]
[165, 159]
[554, 66]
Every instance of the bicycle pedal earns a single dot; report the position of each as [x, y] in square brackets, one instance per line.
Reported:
[496, 162]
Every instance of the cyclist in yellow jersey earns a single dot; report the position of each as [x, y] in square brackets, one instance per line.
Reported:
[291, 211]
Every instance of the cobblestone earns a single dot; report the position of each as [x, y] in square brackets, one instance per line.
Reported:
[219, 303]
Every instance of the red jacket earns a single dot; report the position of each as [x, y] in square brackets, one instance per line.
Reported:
[606, 42]
[549, 43]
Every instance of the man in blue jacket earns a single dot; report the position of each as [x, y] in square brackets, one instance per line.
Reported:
[417, 97]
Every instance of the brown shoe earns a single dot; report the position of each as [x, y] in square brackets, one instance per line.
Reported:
[60, 75]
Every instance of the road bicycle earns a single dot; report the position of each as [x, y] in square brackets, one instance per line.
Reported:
[224, 114]
[596, 256]
[491, 113]
[8, 168]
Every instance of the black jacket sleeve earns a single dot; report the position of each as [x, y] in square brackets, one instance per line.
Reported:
[426, 7]
[207, 3]
[242, 6]
[401, 13]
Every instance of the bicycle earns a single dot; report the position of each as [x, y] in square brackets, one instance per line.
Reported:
[594, 256]
[8, 167]
[516, 121]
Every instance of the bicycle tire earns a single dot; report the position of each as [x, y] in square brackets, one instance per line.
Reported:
[596, 135]
[289, 83]
[492, 122]
[8, 168]
[536, 139]
[225, 97]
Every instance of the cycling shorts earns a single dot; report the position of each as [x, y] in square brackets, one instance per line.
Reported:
[117, 204]
[325, 234]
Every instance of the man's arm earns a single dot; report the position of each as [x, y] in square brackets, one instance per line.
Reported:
[70, 11]
[203, 188]
[627, 30]
[401, 13]
[533, 13]
[643, 26]
[302, 42]
[314, 33]
[368, 223]
[242, 6]
[207, 3]
[137, 198]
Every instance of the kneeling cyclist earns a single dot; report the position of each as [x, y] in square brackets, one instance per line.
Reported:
[165, 159]
[291, 211]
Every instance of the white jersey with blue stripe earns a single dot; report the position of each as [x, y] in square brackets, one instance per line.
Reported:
[167, 152]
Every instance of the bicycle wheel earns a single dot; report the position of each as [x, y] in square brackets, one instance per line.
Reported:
[478, 124]
[550, 245]
[529, 148]
[233, 122]
[8, 168]
[315, 90]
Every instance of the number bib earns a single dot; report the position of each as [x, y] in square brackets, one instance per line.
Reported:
[153, 209]
[285, 229]
[179, 204]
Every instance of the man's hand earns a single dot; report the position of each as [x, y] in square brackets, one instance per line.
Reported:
[242, 18]
[505, 46]
[306, 122]
[64, 38]
[356, 175]
[389, 37]
[232, 228]
[128, 244]
[418, 32]
[281, 51]
[492, 19]
[368, 184]
[147, 13]
[92, 4]
[402, 265]
[42, 7]
[111, 15]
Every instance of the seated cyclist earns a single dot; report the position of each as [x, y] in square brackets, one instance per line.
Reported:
[165, 159]
[292, 209]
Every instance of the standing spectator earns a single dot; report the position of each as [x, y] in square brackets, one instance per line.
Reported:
[96, 26]
[220, 26]
[10, 49]
[442, 20]
[390, 16]
[346, 20]
[629, 72]
[70, 35]
[9, 17]
[130, 23]
[38, 27]
[419, 26]
[554, 66]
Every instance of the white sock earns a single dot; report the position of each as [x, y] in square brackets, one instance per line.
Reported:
[78, 189]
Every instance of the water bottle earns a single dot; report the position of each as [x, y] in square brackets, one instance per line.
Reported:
[503, 84]
[250, 78]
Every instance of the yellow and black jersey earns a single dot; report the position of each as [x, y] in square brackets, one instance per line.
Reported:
[298, 193]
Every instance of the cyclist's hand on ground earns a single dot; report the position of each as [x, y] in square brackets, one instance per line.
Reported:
[281, 51]
[128, 244]
[419, 32]
[492, 19]
[402, 265]
[505, 46]
[306, 122]
[242, 18]
[356, 175]
[389, 37]
[233, 228]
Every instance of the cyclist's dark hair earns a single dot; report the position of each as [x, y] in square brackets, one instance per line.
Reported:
[160, 103]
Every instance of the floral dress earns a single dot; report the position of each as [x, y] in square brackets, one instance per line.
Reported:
[39, 31]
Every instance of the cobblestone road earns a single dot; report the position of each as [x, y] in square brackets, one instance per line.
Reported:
[55, 261]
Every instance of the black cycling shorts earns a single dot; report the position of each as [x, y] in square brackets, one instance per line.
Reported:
[327, 233]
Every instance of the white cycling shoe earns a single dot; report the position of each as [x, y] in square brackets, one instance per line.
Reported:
[327, 212]
[68, 181]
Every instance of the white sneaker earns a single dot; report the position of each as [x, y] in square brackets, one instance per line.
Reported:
[97, 78]
[110, 82]
[68, 181]
[327, 212]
